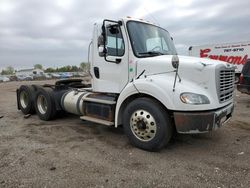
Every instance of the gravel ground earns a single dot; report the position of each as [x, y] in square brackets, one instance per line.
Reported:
[68, 152]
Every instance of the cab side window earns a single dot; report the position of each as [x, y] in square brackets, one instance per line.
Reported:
[115, 42]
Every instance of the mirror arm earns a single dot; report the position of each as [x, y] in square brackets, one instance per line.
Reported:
[117, 60]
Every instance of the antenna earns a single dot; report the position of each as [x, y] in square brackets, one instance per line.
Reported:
[151, 15]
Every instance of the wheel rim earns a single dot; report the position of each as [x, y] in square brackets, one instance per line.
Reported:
[42, 104]
[24, 99]
[143, 125]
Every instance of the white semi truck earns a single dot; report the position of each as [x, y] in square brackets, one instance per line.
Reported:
[235, 53]
[139, 82]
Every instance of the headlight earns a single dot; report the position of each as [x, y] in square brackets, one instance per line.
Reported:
[193, 98]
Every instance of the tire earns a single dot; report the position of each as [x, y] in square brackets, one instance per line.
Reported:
[45, 104]
[147, 124]
[25, 99]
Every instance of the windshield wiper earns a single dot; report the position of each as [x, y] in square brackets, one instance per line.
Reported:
[151, 53]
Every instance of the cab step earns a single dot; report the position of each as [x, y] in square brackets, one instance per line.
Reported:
[96, 120]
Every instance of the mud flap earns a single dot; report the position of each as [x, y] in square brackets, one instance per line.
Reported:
[17, 96]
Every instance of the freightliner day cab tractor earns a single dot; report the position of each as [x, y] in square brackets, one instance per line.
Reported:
[139, 82]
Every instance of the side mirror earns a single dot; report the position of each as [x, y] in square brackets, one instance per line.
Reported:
[101, 51]
[109, 27]
[175, 61]
[100, 41]
[100, 44]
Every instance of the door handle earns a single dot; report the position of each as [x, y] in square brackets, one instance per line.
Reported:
[96, 72]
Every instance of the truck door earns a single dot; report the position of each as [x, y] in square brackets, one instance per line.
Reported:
[110, 59]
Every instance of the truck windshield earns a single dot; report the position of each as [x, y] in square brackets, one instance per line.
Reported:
[148, 40]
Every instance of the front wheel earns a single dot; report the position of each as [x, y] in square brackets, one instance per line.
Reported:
[147, 124]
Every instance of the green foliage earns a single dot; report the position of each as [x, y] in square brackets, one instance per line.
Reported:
[67, 68]
[38, 66]
[85, 66]
[8, 71]
[49, 70]
[74, 69]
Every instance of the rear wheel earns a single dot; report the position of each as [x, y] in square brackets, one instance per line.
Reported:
[45, 104]
[147, 124]
[25, 100]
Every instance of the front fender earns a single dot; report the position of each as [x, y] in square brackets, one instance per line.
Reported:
[160, 89]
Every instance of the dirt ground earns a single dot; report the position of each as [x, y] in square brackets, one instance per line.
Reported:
[68, 152]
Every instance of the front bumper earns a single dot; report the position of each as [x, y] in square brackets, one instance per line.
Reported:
[202, 122]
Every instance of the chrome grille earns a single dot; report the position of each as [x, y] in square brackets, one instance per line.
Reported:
[226, 84]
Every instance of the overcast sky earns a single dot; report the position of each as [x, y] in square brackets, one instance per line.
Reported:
[57, 32]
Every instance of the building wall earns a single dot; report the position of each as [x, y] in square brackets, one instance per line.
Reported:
[29, 72]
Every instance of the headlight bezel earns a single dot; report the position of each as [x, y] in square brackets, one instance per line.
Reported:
[194, 98]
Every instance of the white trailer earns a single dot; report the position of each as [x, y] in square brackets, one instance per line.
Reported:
[139, 82]
[234, 53]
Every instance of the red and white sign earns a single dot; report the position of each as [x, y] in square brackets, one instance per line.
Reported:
[234, 53]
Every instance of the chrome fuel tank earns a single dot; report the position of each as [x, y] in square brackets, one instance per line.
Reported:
[72, 101]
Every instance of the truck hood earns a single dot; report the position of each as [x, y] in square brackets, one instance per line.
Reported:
[162, 64]
[195, 75]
